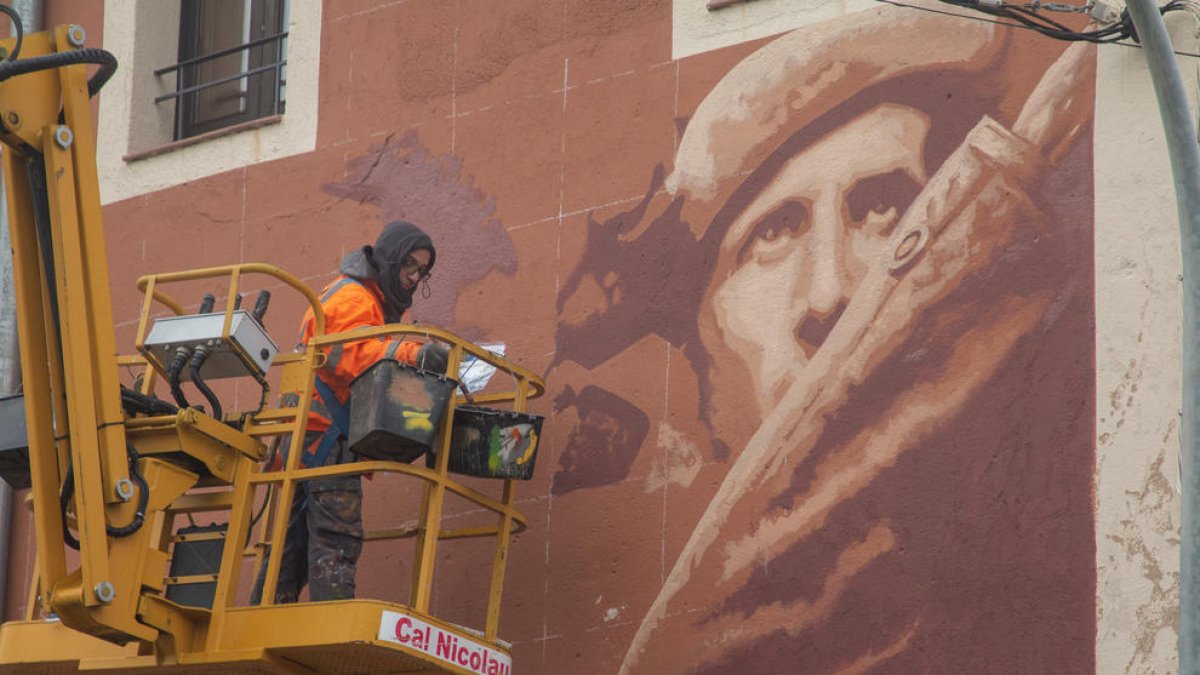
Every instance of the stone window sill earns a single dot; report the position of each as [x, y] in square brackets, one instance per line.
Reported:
[208, 136]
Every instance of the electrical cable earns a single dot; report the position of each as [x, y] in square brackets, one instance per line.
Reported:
[1017, 24]
[931, 10]
[182, 355]
[175, 373]
[254, 519]
[265, 388]
[1034, 21]
[198, 358]
[261, 303]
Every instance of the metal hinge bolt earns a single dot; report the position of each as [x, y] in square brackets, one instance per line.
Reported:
[76, 35]
[125, 489]
[105, 592]
[63, 136]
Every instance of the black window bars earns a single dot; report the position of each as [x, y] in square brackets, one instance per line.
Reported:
[277, 66]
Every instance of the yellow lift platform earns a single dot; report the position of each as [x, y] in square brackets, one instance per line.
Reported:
[122, 480]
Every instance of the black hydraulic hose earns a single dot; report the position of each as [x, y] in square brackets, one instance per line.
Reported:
[18, 28]
[105, 59]
[175, 373]
[103, 74]
[39, 195]
[64, 498]
[182, 355]
[35, 170]
[134, 402]
[139, 517]
[198, 358]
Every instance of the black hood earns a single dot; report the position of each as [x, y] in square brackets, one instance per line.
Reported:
[381, 264]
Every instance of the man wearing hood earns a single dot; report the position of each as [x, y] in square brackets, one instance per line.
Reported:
[324, 535]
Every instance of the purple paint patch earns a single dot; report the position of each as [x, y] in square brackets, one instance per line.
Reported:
[605, 441]
[407, 183]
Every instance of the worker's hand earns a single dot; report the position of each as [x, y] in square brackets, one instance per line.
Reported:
[433, 357]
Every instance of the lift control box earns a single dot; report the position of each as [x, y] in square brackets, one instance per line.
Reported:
[248, 352]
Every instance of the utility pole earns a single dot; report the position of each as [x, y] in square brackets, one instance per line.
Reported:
[1180, 130]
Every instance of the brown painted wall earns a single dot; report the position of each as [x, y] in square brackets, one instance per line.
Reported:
[815, 313]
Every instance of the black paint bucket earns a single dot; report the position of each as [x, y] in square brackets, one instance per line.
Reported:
[397, 410]
[491, 443]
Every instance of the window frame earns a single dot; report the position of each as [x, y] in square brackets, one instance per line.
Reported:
[261, 73]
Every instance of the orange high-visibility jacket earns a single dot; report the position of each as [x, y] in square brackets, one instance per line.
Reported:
[350, 303]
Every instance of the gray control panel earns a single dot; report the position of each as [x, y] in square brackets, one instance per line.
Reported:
[194, 330]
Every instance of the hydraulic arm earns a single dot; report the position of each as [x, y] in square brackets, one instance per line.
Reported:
[61, 283]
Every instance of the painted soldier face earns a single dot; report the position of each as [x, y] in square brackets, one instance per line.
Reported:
[793, 257]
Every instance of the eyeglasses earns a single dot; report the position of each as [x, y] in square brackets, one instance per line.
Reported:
[410, 265]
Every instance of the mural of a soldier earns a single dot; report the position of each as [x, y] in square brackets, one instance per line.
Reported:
[874, 252]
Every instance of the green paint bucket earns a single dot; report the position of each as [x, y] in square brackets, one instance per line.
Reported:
[489, 443]
[397, 410]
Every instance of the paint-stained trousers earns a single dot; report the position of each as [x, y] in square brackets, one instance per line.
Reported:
[324, 536]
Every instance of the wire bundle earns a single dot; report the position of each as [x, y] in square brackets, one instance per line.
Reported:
[1029, 16]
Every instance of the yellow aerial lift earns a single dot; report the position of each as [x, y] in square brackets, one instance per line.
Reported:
[120, 467]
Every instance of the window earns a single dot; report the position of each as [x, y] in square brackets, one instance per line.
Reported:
[140, 150]
[232, 64]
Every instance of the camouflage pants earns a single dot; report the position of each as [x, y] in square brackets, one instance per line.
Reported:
[324, 537]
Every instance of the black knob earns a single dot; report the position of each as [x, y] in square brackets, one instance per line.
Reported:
[260, 305]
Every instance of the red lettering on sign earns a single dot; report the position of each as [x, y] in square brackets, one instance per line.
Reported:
[445, 648]
[403, 629]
